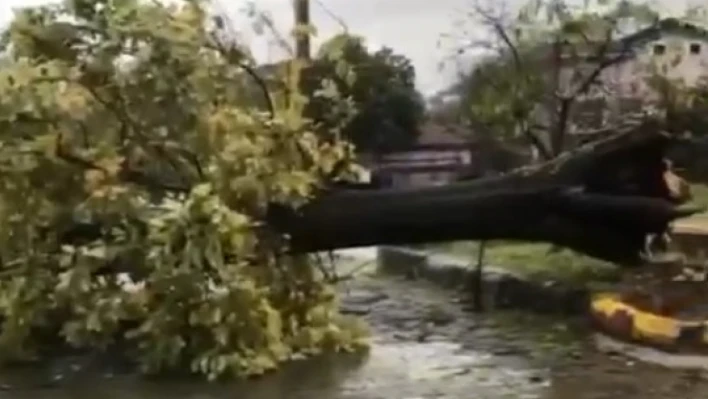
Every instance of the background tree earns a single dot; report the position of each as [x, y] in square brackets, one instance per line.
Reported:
[380, 86]
[686, 110]
[543, 66]
[135, 178]
[541, 79]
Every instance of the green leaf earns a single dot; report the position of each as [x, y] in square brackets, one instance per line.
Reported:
[162, 165]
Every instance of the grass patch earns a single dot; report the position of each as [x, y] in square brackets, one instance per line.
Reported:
[535, 260]
[699, 194]
[539, 261]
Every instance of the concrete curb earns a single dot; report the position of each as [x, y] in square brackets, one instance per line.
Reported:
[502, 289]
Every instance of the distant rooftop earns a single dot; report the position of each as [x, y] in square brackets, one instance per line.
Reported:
[438, 133]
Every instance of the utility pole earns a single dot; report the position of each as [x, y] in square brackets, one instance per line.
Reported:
[302, 20]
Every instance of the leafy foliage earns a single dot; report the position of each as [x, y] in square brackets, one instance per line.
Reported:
[380, 87]
[683, 105]
[135, 174]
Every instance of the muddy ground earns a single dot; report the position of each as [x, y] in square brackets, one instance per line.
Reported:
[425, 345]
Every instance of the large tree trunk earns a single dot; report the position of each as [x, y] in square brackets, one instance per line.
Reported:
[602, 199]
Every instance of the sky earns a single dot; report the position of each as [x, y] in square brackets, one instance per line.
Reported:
[414, 28]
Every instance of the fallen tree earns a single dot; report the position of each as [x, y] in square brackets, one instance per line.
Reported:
[160, 167]
[603, 199]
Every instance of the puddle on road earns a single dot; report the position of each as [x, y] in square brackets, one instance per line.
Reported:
[405, 370]
[439, 370]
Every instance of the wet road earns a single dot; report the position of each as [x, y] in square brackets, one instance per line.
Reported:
[425, 346]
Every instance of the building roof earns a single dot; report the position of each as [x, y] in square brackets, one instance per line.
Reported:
[627, 44]
[440, 133]
[654, 32]
[667, 25]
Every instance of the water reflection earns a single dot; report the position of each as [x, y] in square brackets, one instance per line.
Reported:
[441, 370]
[390, 370]
[400, 369]
[322, 376]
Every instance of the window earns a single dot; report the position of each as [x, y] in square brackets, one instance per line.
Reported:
[659, 49]
[695, 48]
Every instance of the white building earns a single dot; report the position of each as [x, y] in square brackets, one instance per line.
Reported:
[671, 49]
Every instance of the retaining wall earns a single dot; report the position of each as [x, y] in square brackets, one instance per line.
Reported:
[501, 289]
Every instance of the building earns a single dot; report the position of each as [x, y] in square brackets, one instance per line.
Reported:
[439, 156]
[637, 71]
[669, 49]
[672, 49]
[444, 153]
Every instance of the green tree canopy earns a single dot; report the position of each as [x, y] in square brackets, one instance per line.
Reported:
[130, 151]
[380, 86]
[543, 65]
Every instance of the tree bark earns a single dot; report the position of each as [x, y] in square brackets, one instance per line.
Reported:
[602, 199]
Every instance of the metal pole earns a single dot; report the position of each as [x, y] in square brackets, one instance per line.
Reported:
[478, 283]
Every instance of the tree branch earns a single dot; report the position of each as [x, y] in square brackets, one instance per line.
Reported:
[230, 55]
[500, 30]
[522, 119]
[566, 101]
[73, 159]
[535, 140]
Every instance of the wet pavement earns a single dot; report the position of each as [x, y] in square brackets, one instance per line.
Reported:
[425, 345]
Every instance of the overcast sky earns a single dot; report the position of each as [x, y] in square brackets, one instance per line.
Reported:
[411, 27]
